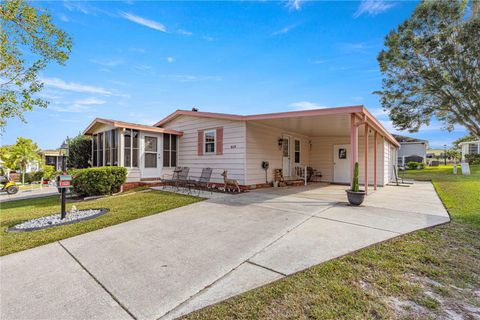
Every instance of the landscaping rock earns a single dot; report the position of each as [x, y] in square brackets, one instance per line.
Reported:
[55, 220]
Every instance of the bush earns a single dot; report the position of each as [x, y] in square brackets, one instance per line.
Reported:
[33, 176]
[473, 158]
[421, 165]
[99, 181]
[412, 165]
[48, 172]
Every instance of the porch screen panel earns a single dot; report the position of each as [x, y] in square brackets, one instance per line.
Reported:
[95, 150]
[166, 150]
[108, 142]
[173, 151]
[114, 148]
[127, 159]
[134, 148]
[100, 149]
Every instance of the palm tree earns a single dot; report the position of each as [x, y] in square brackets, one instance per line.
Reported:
[24, 151]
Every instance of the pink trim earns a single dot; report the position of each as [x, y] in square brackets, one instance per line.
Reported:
[375, 161]
[353, 145]
[122, 124]
[366, 158]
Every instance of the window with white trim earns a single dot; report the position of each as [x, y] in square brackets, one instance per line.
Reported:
[297, 151]
[209, 141]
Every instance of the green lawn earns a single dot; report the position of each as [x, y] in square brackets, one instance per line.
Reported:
[123, 207]
[423, 275]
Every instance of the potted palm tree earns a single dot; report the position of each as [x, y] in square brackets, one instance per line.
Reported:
[355, 195]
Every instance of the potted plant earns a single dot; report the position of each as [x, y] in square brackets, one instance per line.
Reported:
[355, 195]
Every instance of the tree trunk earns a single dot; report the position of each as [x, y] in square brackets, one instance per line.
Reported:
[23, 176]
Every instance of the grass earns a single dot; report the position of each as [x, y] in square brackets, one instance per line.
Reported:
[427, 274]
[123, 207]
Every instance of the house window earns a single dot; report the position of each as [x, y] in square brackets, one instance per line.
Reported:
[131, 149]
[297, 151]
[95, 150]
[473, 148]
[150, 152]
[209, 138]
[50, 160]
[169, 150]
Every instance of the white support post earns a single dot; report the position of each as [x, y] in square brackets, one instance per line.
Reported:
[305, 176]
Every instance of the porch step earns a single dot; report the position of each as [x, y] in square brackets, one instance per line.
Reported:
[150, 179]
[295, 183]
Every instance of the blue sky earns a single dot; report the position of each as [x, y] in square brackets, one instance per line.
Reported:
[140, 61]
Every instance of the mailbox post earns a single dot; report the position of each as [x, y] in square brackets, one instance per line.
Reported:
[64, 181]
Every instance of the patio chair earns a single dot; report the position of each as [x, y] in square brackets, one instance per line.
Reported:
[172, 180]
[182, 178]
[203, 181]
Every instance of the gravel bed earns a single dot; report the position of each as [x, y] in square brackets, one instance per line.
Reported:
[54, 220]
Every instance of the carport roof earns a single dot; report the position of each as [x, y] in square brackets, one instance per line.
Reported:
[282, 116]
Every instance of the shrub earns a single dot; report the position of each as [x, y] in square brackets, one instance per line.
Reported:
[48, 172]
[421, 165]
[33, 176]
[473, 158]
[412, 165]
[99, 181]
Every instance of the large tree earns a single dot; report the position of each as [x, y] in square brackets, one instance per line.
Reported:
[80, 151]
[29, 41]
[431, 67]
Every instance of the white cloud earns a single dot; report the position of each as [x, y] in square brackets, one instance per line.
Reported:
[144, 22]
[306, 105]
[372, 7]
[294, 4]
[170, 59]
[108, 63]
[72, 86]
[76, 108]
[357, 98]
[89, 101]
[209, 38]
[284, 30]
[138, 50]
[184, 32]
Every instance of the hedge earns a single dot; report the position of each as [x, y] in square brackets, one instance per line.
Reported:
[99, 181]
[473, 158]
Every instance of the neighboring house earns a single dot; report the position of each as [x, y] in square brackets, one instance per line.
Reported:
[329, 140]
[469, 147]
[52, 158]
[411, 149]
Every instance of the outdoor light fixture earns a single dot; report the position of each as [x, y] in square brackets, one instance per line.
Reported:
[280, 143]
[64, 150]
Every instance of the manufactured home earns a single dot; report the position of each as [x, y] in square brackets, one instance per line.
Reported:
[329, 140]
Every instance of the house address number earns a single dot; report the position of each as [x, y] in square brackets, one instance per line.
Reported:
[233, 146]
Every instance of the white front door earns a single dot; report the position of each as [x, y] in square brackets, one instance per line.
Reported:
[341, 163]
[151, 157]
[286, 151]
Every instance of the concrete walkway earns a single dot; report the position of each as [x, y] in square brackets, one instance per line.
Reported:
[166, 265]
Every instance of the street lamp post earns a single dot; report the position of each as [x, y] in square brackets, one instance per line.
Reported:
[445, 154]
[64, 152]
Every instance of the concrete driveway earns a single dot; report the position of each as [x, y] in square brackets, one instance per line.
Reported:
[167, 265]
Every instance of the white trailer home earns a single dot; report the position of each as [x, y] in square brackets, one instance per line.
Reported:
[330, 140]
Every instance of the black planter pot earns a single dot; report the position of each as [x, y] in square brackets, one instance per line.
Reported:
[355, 198]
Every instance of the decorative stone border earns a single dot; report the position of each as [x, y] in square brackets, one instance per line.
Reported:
[102, 212]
